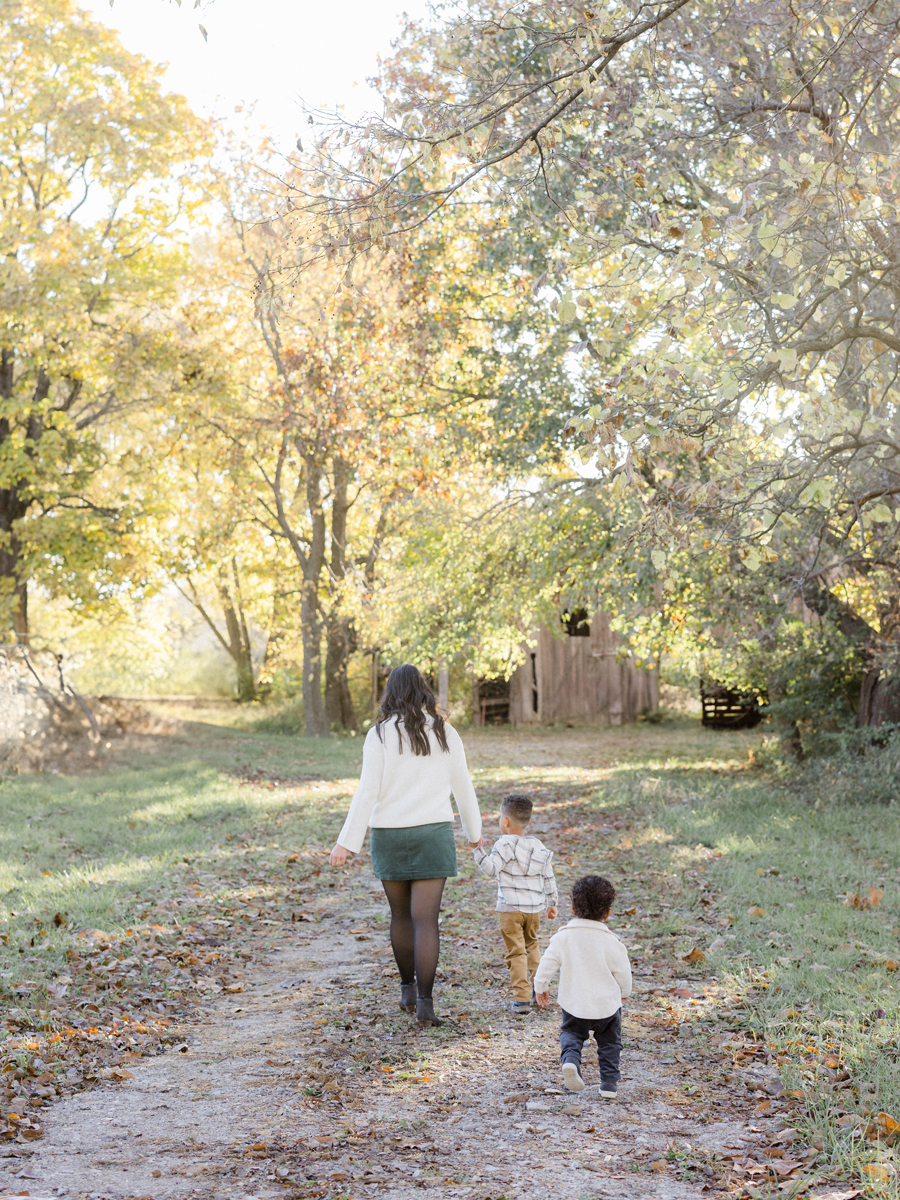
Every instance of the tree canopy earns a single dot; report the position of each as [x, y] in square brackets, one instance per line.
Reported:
[711, 194]
[602, 303]
[97, 178]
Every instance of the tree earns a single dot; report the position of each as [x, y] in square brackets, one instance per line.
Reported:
[209, 548]
[96, 168]
[330, 407]
[716, 189]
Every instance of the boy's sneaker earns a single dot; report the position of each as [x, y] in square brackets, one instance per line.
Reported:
[572, 1077]
[521, 1008]
[607, 1091]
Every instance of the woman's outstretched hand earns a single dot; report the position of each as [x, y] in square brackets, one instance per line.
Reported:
[338, 856]
[475, 845]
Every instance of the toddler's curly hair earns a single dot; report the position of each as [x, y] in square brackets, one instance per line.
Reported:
[592, 897]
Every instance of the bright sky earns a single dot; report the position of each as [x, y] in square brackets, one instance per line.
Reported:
[270, 53]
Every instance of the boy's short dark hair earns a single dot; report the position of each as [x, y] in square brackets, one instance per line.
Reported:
[517, 808]
[592, 897]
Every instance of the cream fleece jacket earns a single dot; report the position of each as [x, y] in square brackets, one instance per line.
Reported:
[398, 790]
[594, 971]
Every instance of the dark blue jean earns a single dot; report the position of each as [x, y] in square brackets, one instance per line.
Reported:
[607, 1033]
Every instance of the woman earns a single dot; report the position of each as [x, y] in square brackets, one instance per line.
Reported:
[412, 761]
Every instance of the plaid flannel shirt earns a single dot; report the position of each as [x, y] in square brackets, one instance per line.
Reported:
[522, 868]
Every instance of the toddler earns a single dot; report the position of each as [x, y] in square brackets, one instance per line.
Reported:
[525, 884]
[594, 979]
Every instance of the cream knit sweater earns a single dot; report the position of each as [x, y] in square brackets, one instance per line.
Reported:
[594, 971]
[398, 790]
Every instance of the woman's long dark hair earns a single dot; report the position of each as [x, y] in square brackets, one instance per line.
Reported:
[408, 697]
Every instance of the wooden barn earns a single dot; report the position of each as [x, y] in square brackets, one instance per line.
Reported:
[572, 678]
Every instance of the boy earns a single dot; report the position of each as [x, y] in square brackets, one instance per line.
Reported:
[525, 883]
[594, 979]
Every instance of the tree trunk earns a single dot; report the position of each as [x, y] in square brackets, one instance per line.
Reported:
[13, 587]
[313, 706]
[879, 697]
[792, 742]
[238, 635]
[14, 498]
[341, 641]
[281, 617]
[879, 700]
[237, 644]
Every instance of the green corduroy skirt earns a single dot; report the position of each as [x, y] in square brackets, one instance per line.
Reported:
[416, 852]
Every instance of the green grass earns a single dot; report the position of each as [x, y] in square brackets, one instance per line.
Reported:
[106, 849]
[103, 849]
[818, 974]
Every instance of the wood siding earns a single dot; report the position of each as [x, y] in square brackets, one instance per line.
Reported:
[578, 678]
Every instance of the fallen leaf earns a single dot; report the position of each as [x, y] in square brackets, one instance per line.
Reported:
[783, 1166]
[877, 1171]
[891, 964]
[755, 911]
[695, 955]
[840, 1195]
[884, 1127]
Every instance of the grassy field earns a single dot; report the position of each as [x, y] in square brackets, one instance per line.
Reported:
[798, 894]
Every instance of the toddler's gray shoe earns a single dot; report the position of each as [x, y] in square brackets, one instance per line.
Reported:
[572, 1077]
[608, 1091]
[521, 1008]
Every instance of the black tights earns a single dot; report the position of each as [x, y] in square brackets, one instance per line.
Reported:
[415, 936]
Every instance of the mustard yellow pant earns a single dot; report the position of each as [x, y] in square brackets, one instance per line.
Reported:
[520, 933]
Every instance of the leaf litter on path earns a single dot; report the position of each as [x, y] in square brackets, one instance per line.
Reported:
[315, 1084]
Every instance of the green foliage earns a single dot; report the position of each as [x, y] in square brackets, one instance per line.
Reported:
[813, 676]
[722, 284]
[477, 570]
[98, 173]
[845, 767]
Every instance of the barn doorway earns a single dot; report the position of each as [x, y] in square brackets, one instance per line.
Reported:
[492, 702]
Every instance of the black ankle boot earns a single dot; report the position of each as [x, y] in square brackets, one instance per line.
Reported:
[408, 997]
[425, 1012]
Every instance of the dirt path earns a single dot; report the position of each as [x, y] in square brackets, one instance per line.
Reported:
[310, 1082]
